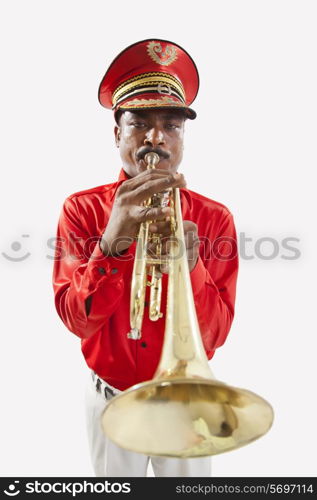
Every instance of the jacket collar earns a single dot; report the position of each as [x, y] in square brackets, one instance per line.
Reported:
[123, 176]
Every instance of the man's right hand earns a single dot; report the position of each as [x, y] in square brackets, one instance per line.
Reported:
[128, 213]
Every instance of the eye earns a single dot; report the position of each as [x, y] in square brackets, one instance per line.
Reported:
[172, 126]
[138, 124]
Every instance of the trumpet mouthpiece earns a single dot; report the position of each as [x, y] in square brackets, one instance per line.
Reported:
[152, 159]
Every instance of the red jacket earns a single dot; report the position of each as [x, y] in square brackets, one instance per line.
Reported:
[82, 271]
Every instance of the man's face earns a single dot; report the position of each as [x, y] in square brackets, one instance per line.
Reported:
[140, 132]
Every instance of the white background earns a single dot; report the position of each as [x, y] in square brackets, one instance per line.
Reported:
[252, 147]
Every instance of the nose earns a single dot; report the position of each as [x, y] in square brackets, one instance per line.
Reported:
[154, 137]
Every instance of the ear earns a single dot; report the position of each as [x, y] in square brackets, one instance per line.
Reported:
[117, 133]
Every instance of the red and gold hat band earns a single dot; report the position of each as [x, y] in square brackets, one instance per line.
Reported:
[160, 83]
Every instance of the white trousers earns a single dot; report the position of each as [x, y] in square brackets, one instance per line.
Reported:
[110, 460]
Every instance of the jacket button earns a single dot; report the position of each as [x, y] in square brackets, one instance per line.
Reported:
[102, 270]
[114, 270]
[143, 344]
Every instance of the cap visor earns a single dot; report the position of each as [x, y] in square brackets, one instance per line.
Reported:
[188, 112]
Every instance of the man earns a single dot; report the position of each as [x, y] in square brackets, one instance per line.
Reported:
[150, 86]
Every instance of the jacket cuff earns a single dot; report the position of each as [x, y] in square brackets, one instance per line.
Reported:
[101, 267]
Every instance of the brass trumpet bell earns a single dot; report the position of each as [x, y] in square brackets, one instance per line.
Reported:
[186, 418]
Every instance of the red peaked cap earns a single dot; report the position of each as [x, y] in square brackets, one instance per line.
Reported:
[150, 74]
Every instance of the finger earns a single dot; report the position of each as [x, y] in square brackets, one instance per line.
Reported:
[146, 176]
[191, 239]
[168, 243]
[142, 214]
[150, 187]
[192, 256]
[190, 233]
[161, 227]
[189, 225]
[131, 184]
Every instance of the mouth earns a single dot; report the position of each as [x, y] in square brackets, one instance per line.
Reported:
[164, 155]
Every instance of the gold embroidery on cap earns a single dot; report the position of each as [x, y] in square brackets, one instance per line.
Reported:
[167, 101]
[162, 79]
[155, 51]
[152, 74]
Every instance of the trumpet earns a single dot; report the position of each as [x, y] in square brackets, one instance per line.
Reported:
[184, 411]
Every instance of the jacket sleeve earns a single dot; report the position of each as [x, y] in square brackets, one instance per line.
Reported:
[214, 281]
[87, 285]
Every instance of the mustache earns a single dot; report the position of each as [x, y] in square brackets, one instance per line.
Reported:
[147, 149]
